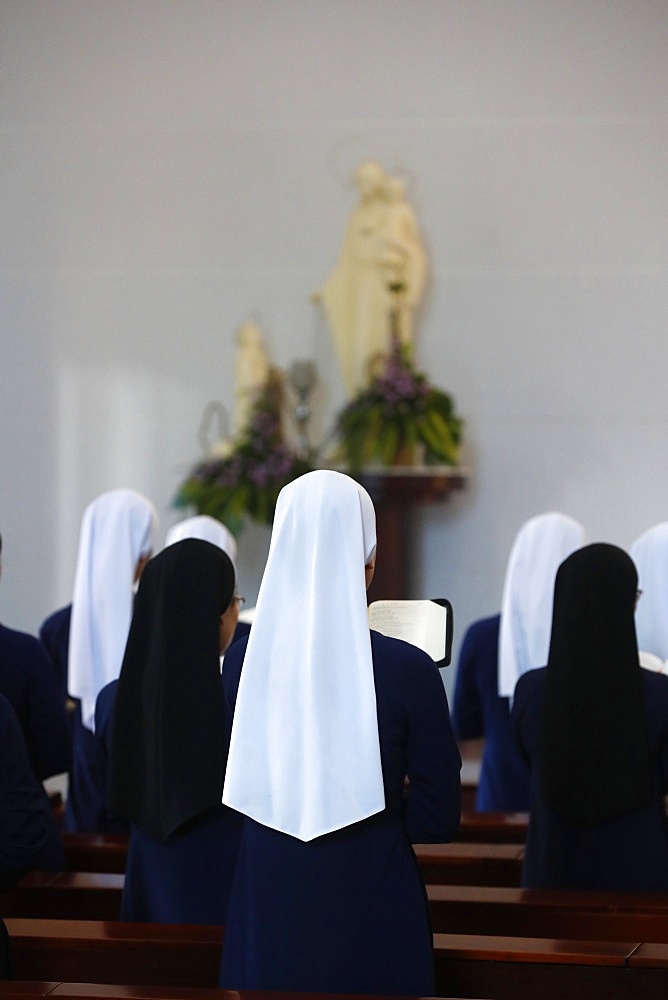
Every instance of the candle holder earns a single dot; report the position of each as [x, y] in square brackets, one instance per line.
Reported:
[303, 377]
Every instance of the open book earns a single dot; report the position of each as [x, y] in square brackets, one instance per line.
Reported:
[650, 661]
[427, 624]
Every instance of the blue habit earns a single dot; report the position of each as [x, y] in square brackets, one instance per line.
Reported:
[347, 912]
[29, 836]
[185, 878]
[478, 711]
[86, 806]
[27, 680]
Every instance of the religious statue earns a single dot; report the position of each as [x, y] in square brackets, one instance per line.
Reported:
[251, 374]
[380, 276]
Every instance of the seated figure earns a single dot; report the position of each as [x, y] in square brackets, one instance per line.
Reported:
[29, 835]
[27, 680]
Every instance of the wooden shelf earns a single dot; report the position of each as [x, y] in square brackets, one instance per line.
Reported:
[396, 491]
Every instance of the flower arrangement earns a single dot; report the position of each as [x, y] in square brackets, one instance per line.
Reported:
[244, 482]
[398, 419]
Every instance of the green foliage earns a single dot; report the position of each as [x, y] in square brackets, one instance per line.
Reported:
[245, 483]
[397, 417]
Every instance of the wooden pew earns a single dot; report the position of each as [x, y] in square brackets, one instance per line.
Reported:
[493, 828]
[517, 968]
[25, 990]
[75, 895]
[455, 909]
[469, 791]
[506, 968]
[95, 852]
[456, 863]
[611, 916]
[113, 952]
[470, 864]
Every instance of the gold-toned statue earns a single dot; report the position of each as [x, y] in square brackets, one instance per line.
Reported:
[381, 270]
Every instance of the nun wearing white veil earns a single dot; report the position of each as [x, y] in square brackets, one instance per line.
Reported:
[205, 529]
[650, 554]
[540, 546]
[209, 529]
[327, 721]
[116, 540]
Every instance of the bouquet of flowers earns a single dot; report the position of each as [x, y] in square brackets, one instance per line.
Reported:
[399, 419]
[245, 481]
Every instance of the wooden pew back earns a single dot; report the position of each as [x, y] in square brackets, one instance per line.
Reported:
[493, 828]
[506, 968]
[113, 952]
[470, 864]
[478, 863]
[604, 916]
[77, 895]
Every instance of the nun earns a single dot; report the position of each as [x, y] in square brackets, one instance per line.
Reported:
[498, 649]
[541, 545]
[594, 728]
[650, 554]
[328, 720]
[87, 638]
[207, 529]
[167, 751]
[29, 834]
[28, 682]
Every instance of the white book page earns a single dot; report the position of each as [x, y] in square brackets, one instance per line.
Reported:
[423, 623]
[650, 661]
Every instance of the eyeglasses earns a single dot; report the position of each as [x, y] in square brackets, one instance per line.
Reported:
[240, 600]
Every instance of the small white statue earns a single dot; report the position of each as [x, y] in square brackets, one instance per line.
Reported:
[382, 252]
[251, 373]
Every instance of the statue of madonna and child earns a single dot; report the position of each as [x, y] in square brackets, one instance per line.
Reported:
[380, 276]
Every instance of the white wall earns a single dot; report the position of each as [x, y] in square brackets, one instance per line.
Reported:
[171, 167]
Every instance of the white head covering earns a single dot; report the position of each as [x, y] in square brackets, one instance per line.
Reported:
[117, 529]
[206, 528]
[541, 545]
[304, 755]
[650, 554]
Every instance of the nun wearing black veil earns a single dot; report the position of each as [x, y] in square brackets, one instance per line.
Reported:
[167, 758]
[328, 720]
[594, 727]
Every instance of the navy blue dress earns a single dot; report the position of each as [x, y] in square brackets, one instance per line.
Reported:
[29, 836]
[55, 635]
[185, 878]
[27, 681]
[477, 711]
[86, 806]
[347, 912]
[629, 852]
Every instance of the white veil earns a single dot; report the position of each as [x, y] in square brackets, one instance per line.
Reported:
[650, 554]
[304, 755]
[117, 530]
[541, 545]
